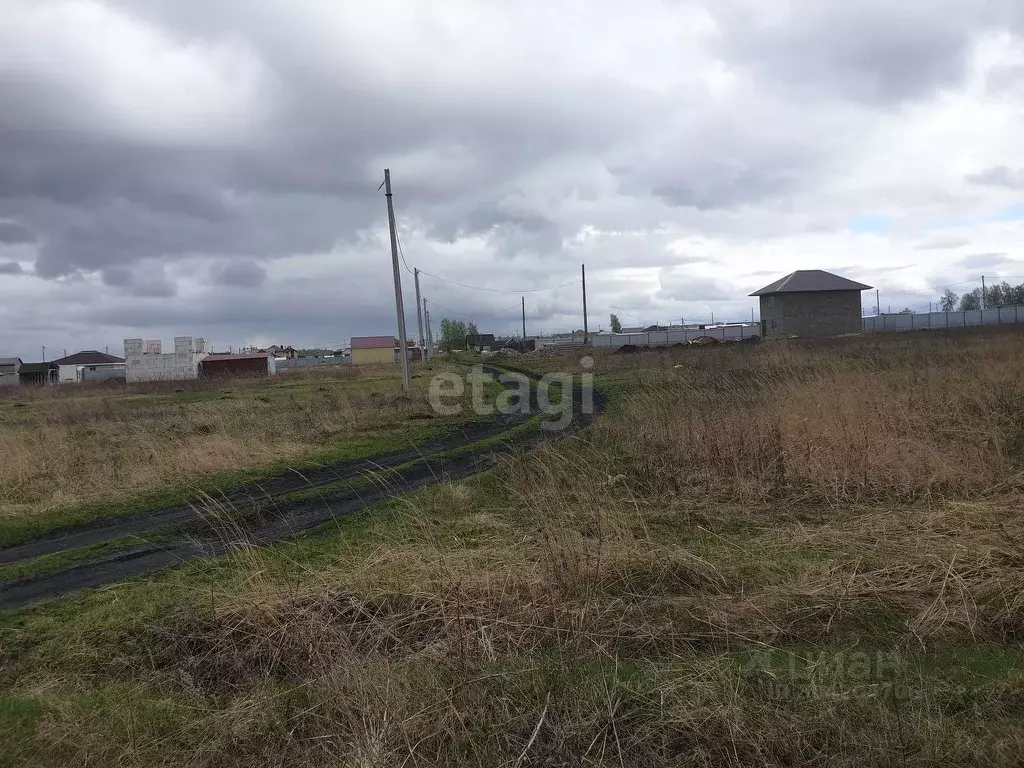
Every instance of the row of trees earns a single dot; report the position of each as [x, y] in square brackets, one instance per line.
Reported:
[999, 295]
[454, 333]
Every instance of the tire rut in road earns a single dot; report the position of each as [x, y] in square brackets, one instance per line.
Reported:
[287, 519]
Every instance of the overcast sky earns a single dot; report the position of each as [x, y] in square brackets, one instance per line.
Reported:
[177, 167]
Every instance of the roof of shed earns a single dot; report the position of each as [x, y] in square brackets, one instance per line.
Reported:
[373, 342]
[10, 361]
[89, 357]
[810, 281]
[36, 367]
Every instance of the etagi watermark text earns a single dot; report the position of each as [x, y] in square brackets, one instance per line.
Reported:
[555, 396]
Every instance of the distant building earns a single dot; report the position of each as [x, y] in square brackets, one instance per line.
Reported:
[478, 341]
[810, 302]
[146, 360]
[245, 364]
[37, 374]
[9, 371]
[373, 349]
[288, 353]
[70, 367]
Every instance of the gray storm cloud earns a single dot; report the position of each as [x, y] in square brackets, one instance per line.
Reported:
[176, 151]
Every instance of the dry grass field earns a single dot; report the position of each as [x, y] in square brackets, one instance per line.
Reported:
[79, 445]
[772, 555]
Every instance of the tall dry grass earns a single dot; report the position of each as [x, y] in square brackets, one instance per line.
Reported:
[894, 421]
[68, 446]
[594, 602]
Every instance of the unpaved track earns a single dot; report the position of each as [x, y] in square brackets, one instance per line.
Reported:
[151, 521]
[281, 519]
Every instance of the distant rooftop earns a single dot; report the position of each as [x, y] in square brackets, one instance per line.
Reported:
[373, 342]
[810, 281]
[89, 357]
[28, 368]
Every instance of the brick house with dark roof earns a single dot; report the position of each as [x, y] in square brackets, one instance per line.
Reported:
[811, 302]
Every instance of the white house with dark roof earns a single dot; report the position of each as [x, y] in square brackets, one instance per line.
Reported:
[70, 367]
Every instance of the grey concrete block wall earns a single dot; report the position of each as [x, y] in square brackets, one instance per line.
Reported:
[144, 360]
[814, 314]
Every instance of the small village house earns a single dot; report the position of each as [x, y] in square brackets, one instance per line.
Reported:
[367, 350]
[288, 353]
[811, 302]
[70, 368]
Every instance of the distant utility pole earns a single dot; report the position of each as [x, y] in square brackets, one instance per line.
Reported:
[426, 320]
[524, 318]
[751, 314]
[586, 335]
[403, 348]
[984, 299]
[878, 303]
[419, 305]
[44, 353]
[430, 333]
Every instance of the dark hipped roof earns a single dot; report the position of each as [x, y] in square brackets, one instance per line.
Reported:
[10, 361]
[89, 357]
[36, 368]
[810, 281]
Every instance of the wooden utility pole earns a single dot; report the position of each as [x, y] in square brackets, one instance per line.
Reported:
[586, 334]
[419, 306]
[984, 298]
[878, 303]
[403, 347]
[524, 318]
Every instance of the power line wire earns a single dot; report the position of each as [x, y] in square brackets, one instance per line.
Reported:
[499, 290]
[401, 253]
[500, 315]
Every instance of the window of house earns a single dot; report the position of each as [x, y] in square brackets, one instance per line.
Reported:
[775, 325]
[770, 301]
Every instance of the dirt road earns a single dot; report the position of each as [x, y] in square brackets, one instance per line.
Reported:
[263, 512]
